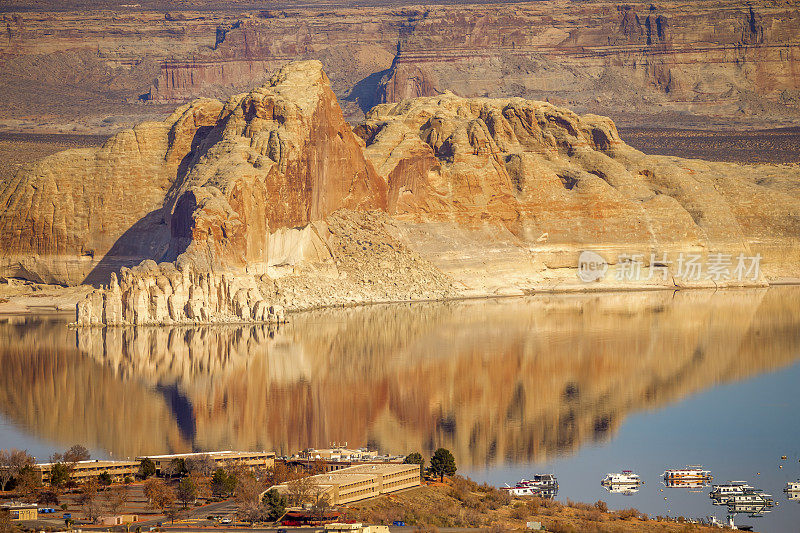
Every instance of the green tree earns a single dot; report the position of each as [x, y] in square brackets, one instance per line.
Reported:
[187, 491]
[104, 479]
[60, 474]
[12, 462]
[415, 458]
[147, 468]
[274, 503]
[222, 483]
[443, 463]
[176, 468]
[28, 482]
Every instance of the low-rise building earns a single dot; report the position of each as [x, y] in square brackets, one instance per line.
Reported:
[220, 459]
[85, 470]
[329, 459]
[354, 528]
[117, 520]
[360, 482]
[21, 511]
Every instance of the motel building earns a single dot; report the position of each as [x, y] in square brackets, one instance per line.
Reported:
[221, 459]
[360, 482]
[85, 470]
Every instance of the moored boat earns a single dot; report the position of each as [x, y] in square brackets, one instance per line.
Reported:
[542, 485]
[692, 472]
[722, 493]
[626, 477]
[687, 483]
[792, 486]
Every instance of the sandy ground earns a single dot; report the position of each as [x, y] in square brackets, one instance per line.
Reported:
[17, 296]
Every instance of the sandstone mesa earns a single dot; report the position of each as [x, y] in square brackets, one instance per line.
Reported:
[236, 211]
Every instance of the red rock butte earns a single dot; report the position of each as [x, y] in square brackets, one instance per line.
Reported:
[234, 211]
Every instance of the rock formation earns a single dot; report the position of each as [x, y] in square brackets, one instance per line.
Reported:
[639, 62]
[541, 184]
[78, 215]
[272, 201]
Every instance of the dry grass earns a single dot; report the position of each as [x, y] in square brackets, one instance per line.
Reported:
[463, 503]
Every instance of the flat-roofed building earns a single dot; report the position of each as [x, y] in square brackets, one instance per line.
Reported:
[85, 470]
[220, 459]
[337, 527]
[360, 482]
[328, 459]
[21, 511]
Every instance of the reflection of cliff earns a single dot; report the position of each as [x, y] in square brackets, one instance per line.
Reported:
[493, 380]
[47, 387]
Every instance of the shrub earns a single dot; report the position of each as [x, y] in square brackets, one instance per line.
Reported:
[601, 506]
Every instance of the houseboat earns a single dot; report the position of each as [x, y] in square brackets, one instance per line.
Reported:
[722, 493]
[686, 483]
[690, 473]
[792, 486]
[542, 485]
[627, 477]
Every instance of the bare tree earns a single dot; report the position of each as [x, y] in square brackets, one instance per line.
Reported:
[248, 490]
[75, 454]
[300, 491]
[158, 494]
[6, 525]
[116, 499]
[321, 503]
[28, 483]
[87, 499]
[202, 484]
[200, 464]
[12, 463]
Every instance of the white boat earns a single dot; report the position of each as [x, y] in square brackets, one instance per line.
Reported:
[751, 497]
[626, 490]
[542, 485]
[686, 483]
[626, 477]
[792, 486]
[722, 493]
[690, 473]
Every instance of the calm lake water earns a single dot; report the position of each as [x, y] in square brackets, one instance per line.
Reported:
[577, 385]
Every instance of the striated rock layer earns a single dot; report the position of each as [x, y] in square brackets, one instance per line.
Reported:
[271, 200]
[535, 184]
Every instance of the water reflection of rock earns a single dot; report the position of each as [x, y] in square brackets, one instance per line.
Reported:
[493, 380]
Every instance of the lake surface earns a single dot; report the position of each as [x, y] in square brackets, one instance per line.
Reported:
[579, 385]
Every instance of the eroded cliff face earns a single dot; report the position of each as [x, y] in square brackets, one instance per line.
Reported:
[640, 62]
[272, 201]
[537, 184]
[498, 380]
[78, 215]
[729, 62]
